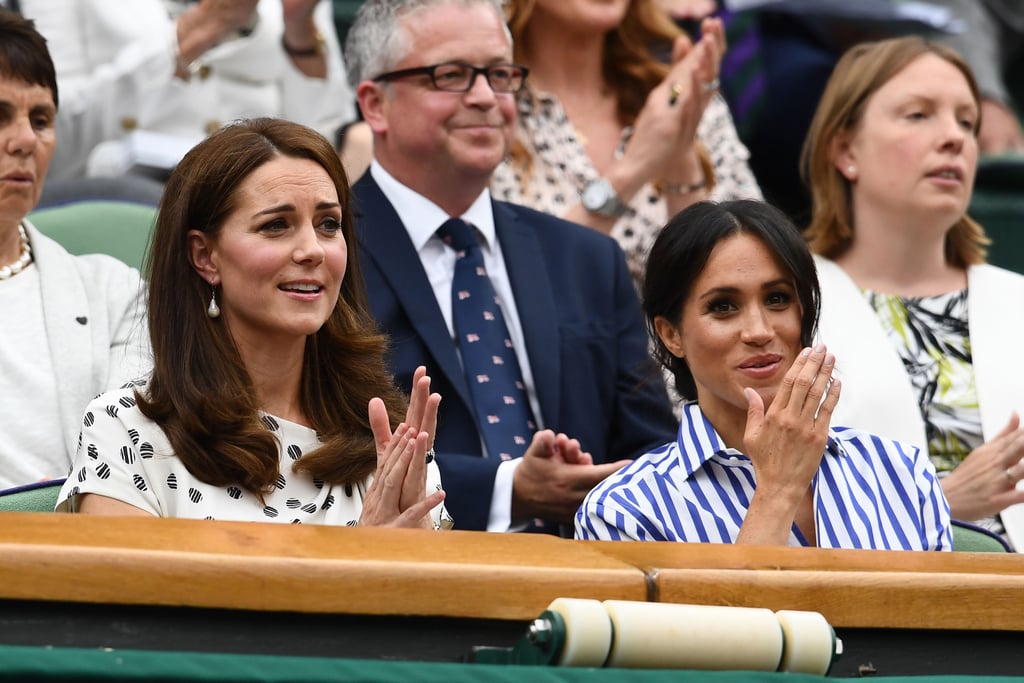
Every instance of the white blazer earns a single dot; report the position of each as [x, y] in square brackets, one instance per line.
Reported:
[877, 395]
[115, 66]
[94, 312]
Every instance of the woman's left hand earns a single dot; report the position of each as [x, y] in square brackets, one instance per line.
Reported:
[787, 441]
[786, 444]
[397, 495]
[986, 481]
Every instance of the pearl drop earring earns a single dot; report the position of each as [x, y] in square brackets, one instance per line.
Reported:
[213, 310]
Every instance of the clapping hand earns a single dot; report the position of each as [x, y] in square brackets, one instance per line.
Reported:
[986, 481]
[786, 444]
[397, 495]
[554, 477]
[664, 137]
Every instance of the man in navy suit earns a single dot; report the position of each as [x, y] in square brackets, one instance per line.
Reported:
[572, 315]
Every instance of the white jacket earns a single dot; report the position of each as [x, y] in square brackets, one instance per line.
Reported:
[94, 312]
[877, 395]
[115, 62]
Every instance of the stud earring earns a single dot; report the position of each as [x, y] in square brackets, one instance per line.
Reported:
[851, 169]
[213, 310]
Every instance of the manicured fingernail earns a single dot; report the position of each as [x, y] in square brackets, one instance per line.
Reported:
[806, 352]
[829, 359]
[820, 348]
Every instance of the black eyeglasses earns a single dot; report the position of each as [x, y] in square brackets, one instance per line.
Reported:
[460, 77]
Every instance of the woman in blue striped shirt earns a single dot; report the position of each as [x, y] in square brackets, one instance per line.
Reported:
[731, 299]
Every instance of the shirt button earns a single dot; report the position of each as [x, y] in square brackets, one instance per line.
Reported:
[129, 123]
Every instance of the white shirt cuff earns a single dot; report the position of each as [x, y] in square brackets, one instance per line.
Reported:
[500, 518]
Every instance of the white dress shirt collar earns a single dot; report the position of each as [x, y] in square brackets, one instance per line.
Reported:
[422, 217]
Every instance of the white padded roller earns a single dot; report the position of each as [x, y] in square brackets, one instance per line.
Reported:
[810, 642]
[669, 636]
[588, 631]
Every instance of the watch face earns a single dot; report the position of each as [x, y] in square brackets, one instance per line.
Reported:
[595, 195]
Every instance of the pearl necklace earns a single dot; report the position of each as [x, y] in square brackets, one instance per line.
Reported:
[12, 269]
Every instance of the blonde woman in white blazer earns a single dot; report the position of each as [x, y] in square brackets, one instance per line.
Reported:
[926, 334]
[71, 323]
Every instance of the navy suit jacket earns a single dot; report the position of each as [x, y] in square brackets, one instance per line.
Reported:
[584, 331]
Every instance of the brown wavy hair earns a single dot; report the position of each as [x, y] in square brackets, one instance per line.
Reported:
[858, 75]
[200, 392]
[631, 66]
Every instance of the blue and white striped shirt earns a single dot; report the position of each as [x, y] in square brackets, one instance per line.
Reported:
[869, 492]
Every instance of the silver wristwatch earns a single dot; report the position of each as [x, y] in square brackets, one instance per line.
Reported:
[599, 197]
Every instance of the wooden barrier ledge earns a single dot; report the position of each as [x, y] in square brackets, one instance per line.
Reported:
[300, 568]
[851, 588]
[363, 593]
[251, 566]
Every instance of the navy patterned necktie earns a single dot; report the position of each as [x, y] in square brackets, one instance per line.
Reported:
[488, 358]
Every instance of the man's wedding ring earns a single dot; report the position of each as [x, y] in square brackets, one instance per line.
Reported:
[673, 94]
[712, 85]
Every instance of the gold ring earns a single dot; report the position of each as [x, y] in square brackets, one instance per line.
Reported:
[674, 92]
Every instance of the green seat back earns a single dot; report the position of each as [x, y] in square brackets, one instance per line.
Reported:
[41, 497]
[998, 205]
[344, 14]
[99, 226]
[972, 539]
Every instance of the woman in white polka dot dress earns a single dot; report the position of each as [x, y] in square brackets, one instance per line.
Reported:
[269, 398]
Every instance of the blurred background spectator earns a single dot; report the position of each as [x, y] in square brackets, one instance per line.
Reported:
[163, 74]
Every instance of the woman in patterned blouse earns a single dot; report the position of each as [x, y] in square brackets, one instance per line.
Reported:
[609, 135]
[927, 332]
[269, 398]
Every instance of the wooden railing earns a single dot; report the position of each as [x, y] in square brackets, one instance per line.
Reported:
[312, 569]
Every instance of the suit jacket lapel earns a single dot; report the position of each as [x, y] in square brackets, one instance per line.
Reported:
[531, 286]
[385, 241]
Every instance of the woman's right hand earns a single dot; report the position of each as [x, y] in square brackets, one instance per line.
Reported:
[986, 481]
[397, 495]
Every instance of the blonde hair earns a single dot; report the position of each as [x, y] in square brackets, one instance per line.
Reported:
[858, 75]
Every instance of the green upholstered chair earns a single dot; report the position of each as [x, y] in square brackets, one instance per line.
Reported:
[344, 14]
[99, 226]
[37, 497]
[998, 204]
[971, 538]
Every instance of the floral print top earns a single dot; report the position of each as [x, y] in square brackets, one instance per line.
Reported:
[560, 169]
